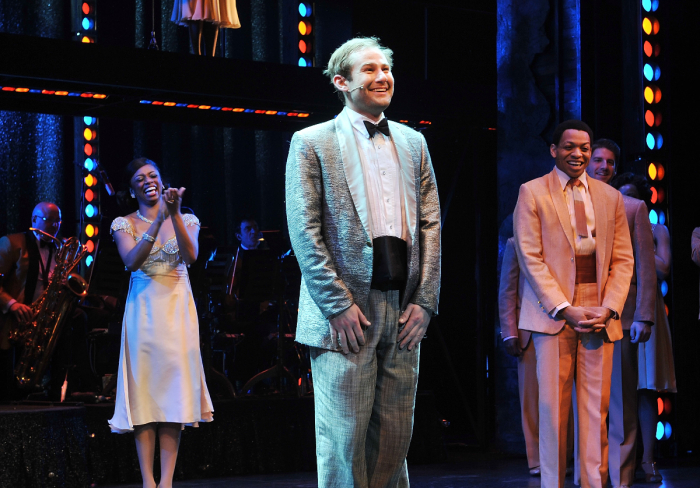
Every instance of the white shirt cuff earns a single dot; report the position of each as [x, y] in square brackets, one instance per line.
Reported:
[558, 309]
[8, 305]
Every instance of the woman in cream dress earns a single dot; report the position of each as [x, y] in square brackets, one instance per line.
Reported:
[204, 18]
[161, 383]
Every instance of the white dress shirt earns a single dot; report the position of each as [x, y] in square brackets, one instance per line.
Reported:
[382, 175]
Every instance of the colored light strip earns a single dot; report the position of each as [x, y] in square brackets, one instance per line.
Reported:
[258, 111]
[102, 96]
[60, 93]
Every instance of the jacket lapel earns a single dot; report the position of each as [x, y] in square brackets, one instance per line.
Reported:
[408, 179]
[561, 208]
[352, 166]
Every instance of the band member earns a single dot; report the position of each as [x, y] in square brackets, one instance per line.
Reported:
[364, 221]
[518, 343]
[27, 261]
[161, 379]
[248, 234]
[574, 249]
[637, 319]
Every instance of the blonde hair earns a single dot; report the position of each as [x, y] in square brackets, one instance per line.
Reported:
[340, 63]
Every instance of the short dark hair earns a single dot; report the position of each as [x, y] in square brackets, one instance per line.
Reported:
[245, 218]
[640, 182]
[570, 124]
[608, 144]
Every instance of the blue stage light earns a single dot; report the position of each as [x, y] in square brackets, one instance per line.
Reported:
[662, 217]
[654, 5]
[181, 105]
[659, 141]
[90, 211]
[302, 62]
[281, 113]
[646, 5]
[653, 217]
[664, 288]
[34, 90]
[145, 102]
[305, 9]
[659, 431]
[650, 141]
[657, 73]
[667, 431]
[88, 23]
[89, 164]
[648, 72]
[89, 120]
[89, 260]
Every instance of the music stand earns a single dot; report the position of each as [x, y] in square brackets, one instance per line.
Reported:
[260, 279]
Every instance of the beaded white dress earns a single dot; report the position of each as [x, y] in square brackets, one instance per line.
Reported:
[221, 13]
[161, 378]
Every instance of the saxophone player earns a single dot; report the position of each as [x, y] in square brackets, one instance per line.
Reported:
[27, 261]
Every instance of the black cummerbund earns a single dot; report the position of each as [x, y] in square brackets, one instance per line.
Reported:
[390, 268]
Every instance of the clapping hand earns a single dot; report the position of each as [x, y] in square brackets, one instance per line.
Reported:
[173, 199]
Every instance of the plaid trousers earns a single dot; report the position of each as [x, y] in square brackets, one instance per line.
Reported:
[364, 404]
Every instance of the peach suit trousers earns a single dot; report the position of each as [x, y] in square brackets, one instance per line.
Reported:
[562, 358]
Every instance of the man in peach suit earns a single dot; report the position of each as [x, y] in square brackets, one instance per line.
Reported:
[573, 245]
[517, 343]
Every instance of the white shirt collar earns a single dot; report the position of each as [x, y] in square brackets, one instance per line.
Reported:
[357, 121]
[564, 178]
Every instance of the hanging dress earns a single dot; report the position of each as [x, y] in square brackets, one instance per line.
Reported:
[222, 13]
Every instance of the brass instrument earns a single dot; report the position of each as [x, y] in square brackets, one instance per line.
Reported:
[49, 311]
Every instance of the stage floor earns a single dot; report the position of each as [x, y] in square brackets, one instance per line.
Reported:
[464, 469]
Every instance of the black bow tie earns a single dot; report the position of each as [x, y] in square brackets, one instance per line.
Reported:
[382, 126]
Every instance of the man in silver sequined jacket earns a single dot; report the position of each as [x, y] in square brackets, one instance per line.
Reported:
[364, 221]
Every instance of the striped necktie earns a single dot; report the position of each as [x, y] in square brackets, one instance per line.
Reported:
[579, 208]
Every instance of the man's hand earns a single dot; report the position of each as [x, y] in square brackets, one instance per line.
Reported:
[346, 328]
[21, 312]
[586, 319]
[415, 320]
[639, 332]
[512, 346]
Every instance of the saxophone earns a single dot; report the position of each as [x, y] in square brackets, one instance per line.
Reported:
[40, 336]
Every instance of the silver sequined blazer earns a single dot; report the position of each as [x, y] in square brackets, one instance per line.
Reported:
[329, 224]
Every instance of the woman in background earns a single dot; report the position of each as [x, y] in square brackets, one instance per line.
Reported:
[161, 383]
[656, 371]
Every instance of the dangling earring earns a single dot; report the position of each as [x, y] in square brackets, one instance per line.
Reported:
[131, 192]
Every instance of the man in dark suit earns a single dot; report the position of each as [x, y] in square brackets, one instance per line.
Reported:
[364, 221]
[637, 319]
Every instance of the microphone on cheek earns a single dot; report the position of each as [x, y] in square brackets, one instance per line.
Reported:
[356, 88]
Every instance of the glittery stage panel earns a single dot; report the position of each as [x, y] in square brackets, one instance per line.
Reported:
[31, 166]
[43, 447]
[248, 436]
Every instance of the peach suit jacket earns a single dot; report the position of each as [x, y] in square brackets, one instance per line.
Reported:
[545, 246]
